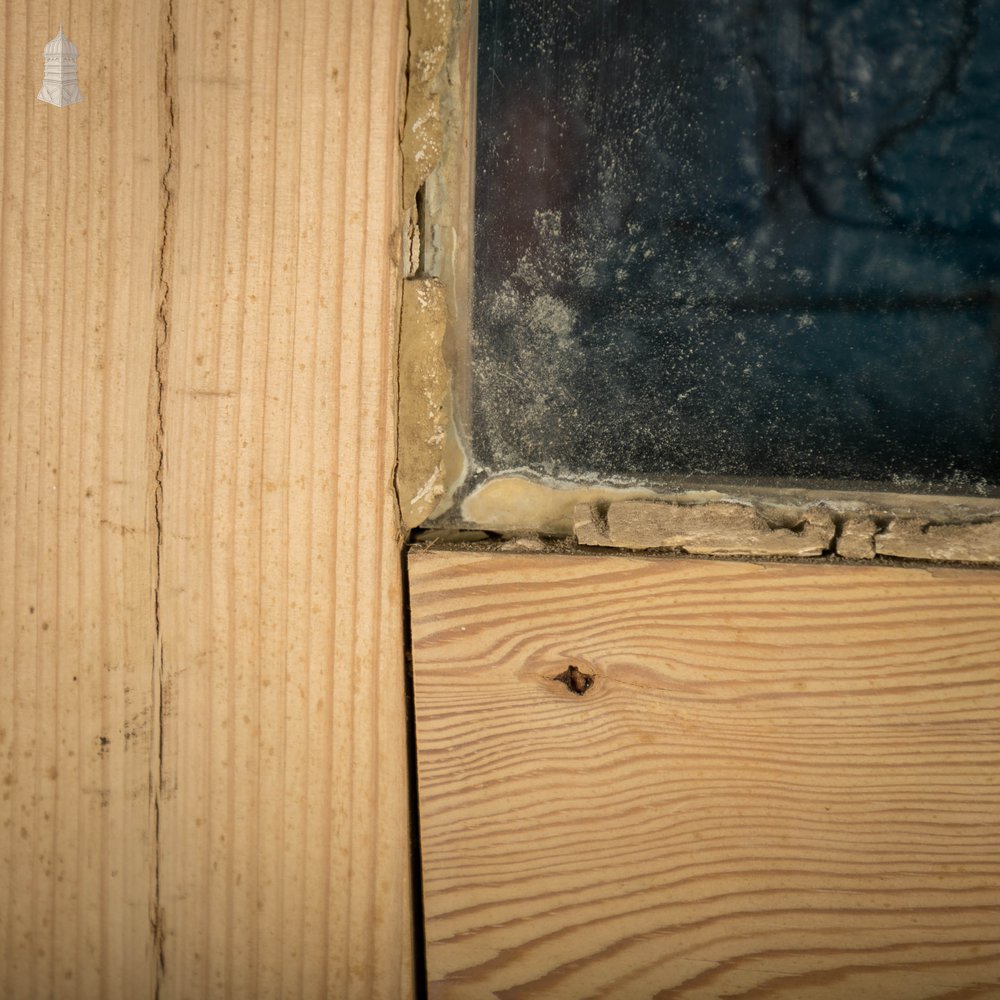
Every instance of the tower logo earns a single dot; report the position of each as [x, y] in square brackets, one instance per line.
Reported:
[60, 85]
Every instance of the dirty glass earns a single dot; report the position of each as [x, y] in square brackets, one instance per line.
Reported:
[752, 240]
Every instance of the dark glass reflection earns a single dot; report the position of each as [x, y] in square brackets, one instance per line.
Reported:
[752, 239]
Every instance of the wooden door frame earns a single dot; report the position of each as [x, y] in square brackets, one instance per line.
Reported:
[203, 784]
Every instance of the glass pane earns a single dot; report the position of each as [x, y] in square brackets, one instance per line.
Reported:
[739, 239]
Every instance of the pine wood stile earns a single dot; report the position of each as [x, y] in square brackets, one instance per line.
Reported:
[79, 206]
[202, 725]
[284, 830]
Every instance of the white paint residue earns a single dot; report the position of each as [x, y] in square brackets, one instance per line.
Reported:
[431, 489]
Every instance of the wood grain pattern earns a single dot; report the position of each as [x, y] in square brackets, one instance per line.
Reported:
[80, 225]
[283, 815]
[201, 694]
[784, 781]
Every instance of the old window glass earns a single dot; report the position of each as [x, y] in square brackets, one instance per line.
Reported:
[752, 240]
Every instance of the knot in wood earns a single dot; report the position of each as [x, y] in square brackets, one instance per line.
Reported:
[575, 680]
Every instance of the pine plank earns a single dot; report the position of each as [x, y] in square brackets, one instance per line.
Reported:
[784, 780]
[80, 230]
[283, 821]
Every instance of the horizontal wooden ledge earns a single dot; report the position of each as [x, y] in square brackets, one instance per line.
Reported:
[646, 776]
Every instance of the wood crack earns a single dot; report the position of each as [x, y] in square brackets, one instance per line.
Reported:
[159, 383]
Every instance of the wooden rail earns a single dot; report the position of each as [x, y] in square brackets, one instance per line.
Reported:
[670, 777]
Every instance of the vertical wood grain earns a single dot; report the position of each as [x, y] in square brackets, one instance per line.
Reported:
[781, 782]
[79, 217]
[283, 811]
